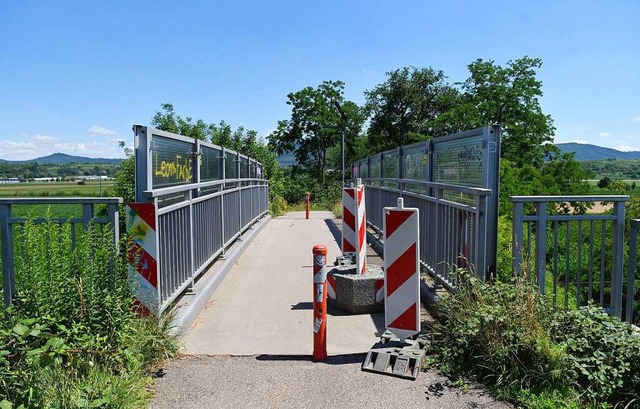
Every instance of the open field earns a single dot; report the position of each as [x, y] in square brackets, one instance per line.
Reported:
[55, 189]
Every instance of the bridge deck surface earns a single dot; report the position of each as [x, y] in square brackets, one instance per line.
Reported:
[264, 304]
[262, 311]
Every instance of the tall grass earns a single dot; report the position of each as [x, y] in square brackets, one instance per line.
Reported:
[71, 338]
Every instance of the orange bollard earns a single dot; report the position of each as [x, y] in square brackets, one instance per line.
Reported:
[308, 205]
[319, 303]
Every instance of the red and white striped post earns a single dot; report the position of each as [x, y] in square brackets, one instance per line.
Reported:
[319, 303]
[361, 230]
[348, 221]
[401, 270]
[308, 195]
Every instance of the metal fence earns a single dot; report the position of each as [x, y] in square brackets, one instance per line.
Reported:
[454, 181]
[575, 257]
[632, 306]
[205, 197]
[10, 225]
[452, 235]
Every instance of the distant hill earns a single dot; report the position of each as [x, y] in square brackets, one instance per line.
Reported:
[63, 158]
[594, 152]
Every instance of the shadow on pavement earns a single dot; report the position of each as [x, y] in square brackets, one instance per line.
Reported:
[344, 359]
[335, 230]
[302, 306]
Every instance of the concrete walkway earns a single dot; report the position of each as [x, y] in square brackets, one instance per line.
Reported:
[251, 345]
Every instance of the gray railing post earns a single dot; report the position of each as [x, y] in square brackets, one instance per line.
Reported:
[633, 252]
[192, 256]
[223, 188]
[617, 259]
[541, 245]
[8, 273]
[481, 234]
[399, 170]
[517, 242]
[113, 215]
[87, 214]
[197, 151]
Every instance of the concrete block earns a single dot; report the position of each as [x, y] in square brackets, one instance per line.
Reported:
[356, 293]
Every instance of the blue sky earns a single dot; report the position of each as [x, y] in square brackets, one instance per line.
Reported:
[75, 75]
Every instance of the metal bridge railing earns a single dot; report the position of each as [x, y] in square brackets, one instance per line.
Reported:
[631, 302]
[196, 230]
[574, 257]
[452, 233]
[9, 225]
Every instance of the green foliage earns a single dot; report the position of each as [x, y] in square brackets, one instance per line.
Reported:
[508, 96]
[614, 169]
[509, 337]
[31, 170]
[500, 334]
[406, 107]
[167, 120]
[125, 186]
[71, 338]
[318, 117]
[605, 355]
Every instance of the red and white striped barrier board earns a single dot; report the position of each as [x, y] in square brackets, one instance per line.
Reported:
[331, 286]
[380, 290]
[401, 270]
[143, 253]
[361, 231]
[348, 221]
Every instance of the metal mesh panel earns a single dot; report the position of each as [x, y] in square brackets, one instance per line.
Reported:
[374, 168]
[171, 162]
[230, 165]
[390, 167]
[210, 164]
[414, 163]
[244, 167]
[364, 168]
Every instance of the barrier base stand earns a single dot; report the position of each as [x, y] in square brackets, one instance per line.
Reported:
[390, 356]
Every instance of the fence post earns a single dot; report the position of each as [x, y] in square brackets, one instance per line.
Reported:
[617, 259]
[633, 252]
[8, 273]
[481, 228]
[517, 242]
[399, 170]
[541, 244]
[87, 214]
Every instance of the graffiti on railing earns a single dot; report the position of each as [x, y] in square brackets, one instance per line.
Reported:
[178, 169]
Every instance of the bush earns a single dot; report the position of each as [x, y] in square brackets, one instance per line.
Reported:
[509, 337]
[501, 335]
[605, 355]
[71, 338]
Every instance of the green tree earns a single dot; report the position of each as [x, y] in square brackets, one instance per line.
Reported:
[125, 186]
[221, 134]
[406, 107]
[167, 120]
[507, 96]
[316, 124]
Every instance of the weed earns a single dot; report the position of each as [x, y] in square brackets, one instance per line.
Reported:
[71, 338]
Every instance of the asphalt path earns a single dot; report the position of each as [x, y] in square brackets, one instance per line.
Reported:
[251, 346]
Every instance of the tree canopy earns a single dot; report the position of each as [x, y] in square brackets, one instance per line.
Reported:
[318, 116]
[407, 106]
